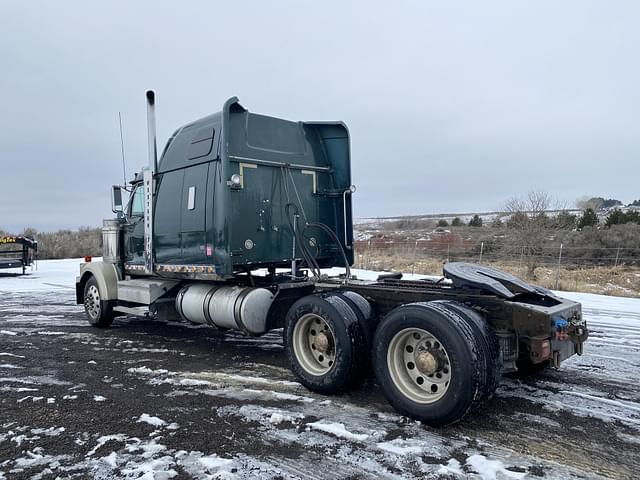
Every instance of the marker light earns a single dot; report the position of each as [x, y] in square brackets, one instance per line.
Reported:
[235, 180]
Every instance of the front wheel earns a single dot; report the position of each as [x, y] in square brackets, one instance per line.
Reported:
[430, 362]
[99, 312]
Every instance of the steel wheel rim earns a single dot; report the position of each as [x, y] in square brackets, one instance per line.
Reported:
[419, 365]
[92, 301]
[314, 344]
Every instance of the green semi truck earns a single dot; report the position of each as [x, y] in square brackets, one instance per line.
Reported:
[232, 227]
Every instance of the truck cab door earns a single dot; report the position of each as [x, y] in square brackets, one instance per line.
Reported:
[134, 241]
[193, 218]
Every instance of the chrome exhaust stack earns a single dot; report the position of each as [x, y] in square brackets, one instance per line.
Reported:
[151, 130]
[149, 184]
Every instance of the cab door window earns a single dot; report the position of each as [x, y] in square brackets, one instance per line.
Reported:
[137, 202]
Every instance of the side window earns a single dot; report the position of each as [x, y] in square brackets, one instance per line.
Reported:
[137, 202]
[201, 144]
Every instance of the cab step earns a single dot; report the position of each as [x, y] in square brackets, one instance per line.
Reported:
[136, 311]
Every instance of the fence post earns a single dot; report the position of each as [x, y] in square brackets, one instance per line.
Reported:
[448, 246]
[481, 250]
[558, 267]
[617, 257]
[365, 260]
[413, 265]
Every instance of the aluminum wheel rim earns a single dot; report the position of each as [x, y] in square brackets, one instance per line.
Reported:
[314, 344]
[92, 301]
[419, 365]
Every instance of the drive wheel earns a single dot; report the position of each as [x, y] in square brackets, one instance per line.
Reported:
[314, 344]
[419, 365]
[430, 363]
[99, 312]
[324, 343]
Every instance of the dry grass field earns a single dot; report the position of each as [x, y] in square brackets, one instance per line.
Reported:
[621, 281]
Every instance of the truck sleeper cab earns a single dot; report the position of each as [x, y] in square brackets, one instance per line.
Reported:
[223, 188]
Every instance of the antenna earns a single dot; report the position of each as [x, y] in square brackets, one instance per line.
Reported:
[124, 170]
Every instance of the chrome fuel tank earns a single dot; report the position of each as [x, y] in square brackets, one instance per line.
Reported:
[232, 307]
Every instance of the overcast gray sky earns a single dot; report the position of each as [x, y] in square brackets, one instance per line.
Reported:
[452, 106]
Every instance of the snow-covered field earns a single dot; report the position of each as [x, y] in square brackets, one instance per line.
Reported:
[147, 399]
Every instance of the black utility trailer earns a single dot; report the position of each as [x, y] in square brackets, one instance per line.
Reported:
[17, 252]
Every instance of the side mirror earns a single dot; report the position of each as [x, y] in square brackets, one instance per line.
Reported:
[116, 199]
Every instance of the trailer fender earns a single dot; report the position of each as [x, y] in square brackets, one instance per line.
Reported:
[107, 276]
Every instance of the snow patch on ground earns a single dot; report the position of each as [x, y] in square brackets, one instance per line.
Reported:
[491, 469]
[337, 430]
[37, 458]
[154, 461]
[277, 418]
[197, 464]
[120, 437]
[412, 446]
[148, 371]
[452, 467]
[155, 421]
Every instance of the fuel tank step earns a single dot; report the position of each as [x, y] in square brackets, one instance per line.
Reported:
[143, 291]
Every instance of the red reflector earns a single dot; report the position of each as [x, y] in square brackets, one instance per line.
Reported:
[87, 259]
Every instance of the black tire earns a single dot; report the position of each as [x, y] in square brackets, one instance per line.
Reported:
[465, 364]
[347, 347]
[487, 341]
[99, 312]
[367, 317]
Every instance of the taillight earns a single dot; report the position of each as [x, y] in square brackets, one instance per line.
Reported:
[87, 259]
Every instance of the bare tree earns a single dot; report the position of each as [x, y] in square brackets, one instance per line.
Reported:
[529, 223]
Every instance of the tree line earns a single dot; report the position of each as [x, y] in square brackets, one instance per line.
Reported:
[531, 229]
[530, 233]
[65, 243]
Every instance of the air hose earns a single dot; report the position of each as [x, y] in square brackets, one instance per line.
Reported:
[299, 238]
[306, 255]
[335, 239]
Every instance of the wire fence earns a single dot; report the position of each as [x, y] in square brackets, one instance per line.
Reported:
[601, 270]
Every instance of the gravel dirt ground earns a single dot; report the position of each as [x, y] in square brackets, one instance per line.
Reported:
[146, 399]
